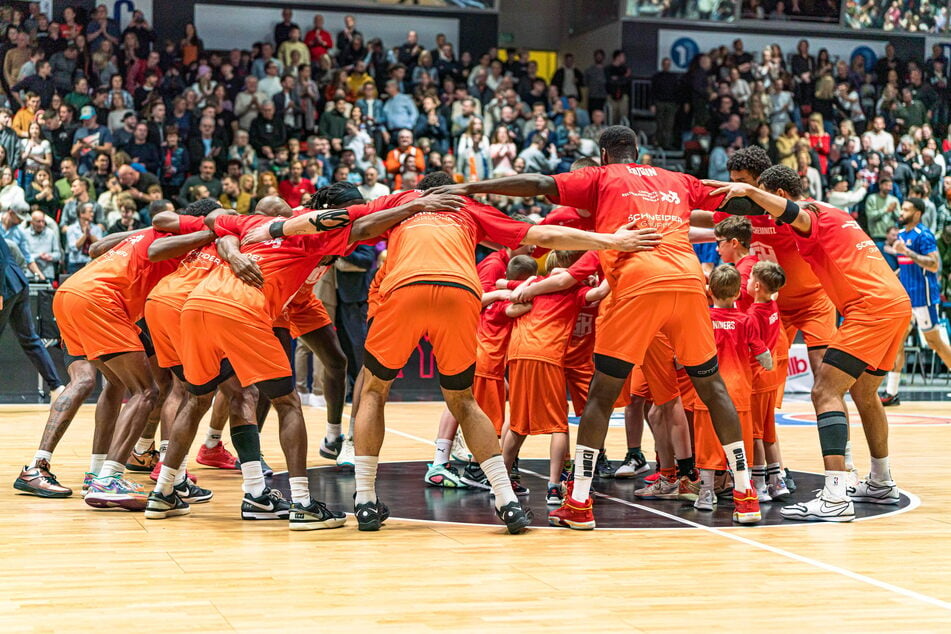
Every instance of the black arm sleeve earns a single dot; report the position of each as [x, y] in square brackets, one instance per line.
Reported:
[742, 206]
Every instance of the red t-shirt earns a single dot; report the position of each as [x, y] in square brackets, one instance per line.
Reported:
[744, 267]
[765, 319]
[543, 333]
[493, 268]
[495, 329]
[175, 287]
[737, 344]
[651, 198]
[293, 193]
[565, 217]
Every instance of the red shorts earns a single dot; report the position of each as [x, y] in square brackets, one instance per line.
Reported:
[816, 322]
[448, 315]
[874, 339]
[489, 393]
[92, 329]
[537, 398]
[579, 380]
[708, 449]
[165, 329]
[307, 317]
[763, 410]
[251, 347]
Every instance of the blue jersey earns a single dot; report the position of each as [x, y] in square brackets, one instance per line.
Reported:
[922, 285]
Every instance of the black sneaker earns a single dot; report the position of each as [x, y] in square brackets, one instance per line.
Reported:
[603, 468]
[474, 477]
[790, 483]
[314, 516]
[331, 451]
[191, 493]
[370, 515]
[159, 506]
[515, 474]
[517, 489]
[516, 518]
[889, 400]
[265, 468]
[270, 505]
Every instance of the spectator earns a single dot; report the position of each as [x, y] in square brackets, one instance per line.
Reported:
[40, 83]
[432, 125]
[79, 194]
[26, 115]
[295, 187]
[12, 195]
[292, 44]
[665, 89]
[174, 160]
[267, 133]
[232, 197]
[205, 177]
[15, 58]
[372, 188]
[207, 145]
[9, 139]
[243, 152]
[128, 220]
[36, 153]
[136, 183]
[90, 139]
[399, 110]
[144, 34]
[540, 156]
[190, 46]
[618, 76]
[318, 39]
[40, 193]
[270, 84]
[248, 103]
[333, 123]
[142, 151]
[404, 148]
[353, 284]
[502, 151]
[284, 28]
[43, 245]
[472, 153]
[880, 140]
[80, 236]
[881, 214]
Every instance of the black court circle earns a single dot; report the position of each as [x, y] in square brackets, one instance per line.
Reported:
[401, 486]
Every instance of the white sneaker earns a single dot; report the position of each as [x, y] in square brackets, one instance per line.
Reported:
[345, 457]
[660, 489]
[634, 464]
[706, 500]
[852, 477]
[763, 494]
[821, 509]
[777, 490]
[873, 492]
[318, 400]
[460, 451]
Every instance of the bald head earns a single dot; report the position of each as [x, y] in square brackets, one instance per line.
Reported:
[273, 206]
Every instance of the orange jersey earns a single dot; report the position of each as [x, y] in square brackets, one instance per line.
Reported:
[744, 267]
[847, 262]
[651, 198]
[175, 287]
[373, 294]
[737, 343]
[125, 275]
[440, 246]
[768, 326]
[543, 333]
[286, 263]
[495, 330]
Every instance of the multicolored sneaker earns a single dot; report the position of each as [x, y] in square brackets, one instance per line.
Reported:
[115, 491]
[746, 507]
[142, 462]
[473, 477]
[706, 500]
[555, 496]
[634, 464]
[777, 489]
[603, 467]
[158, 469]
[88, 477]
[159, 507]
[571, 514]
[889, 400]
[314, 516]
[516, 518]
[568, 471]
[217, 457]
[663, 488]
[445, 476]
[330, 450]
[688, 489]
[40, 482]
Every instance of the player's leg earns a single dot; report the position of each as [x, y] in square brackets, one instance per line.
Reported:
[878, 487]
[441, 472]
[368, 432]
[558, 448]
[663, 484]
[325, 344]
[144, 456]
[893, 378]
[212, 452]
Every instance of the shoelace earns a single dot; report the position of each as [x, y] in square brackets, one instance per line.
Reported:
[274, 494]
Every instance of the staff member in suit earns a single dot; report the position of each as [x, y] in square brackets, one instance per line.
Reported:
[353, 285]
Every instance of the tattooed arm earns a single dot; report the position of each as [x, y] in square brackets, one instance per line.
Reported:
[313, 222]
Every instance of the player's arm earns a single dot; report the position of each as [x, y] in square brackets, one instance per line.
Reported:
[597, 293]
[175, 246]
[698, 235]
[102, 245]
[567, 238]
[776, 206]
[243, 267]
[522, 185]
[526, 291]
[379, 222]
[495, 296]
[517, 310]
[930, 262]
[701, 219]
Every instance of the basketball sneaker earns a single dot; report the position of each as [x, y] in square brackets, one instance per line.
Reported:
[778, 490]
[144, 461]
[571, 514]
[444, 475]
[762, 494]
[889, 400]
[822, 508]
[314, 516]
[517, 488]
[217, 457]
[473, 477]
[746, 507]
[872, 492]
[159, 507]
[662, 488]
[87, 480]
[347, 454]
[370, 515]
[188, 474]
[516, 518]
[567, 471]
[332, 450]
[634, 463]
[113, 491]
[40, 482]
[460, 450]
[788, 479]
[688, 489]
[270, 505]
[191, 493]
[555, 496]
[516, 474]
[603, 467]
[706, 500]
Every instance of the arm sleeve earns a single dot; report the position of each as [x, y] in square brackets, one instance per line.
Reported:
[497, 226]
[579, 188]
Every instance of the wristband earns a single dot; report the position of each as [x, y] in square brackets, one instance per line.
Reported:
[276, 229]
[790, 214]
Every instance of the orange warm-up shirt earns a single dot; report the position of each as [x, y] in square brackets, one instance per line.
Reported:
[125, 275]
[651, 198]
[175, 287]
[737, 344]
[543, 333]
[765, 319]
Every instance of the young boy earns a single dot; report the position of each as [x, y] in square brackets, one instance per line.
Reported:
[736, 346]
[766, 278]
[734, 235]
[537, 385]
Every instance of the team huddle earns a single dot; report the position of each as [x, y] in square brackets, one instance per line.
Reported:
[197, 313]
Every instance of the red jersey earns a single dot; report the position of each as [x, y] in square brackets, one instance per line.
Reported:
[765, 319]
[293, 193]
[737, 344]
[847, 262]
[175, 287]
[584, 267]
[580, 352]
[565, 217]
[125, 275]
[651, 198]
[543, 333]
[493, 268]
[744, 267]
[495, 330]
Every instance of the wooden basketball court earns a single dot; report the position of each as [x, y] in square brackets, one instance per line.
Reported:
[66, 567]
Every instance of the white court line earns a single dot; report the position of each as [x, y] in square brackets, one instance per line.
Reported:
[911, 594]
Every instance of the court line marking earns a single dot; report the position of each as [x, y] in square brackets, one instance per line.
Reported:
[845, 572]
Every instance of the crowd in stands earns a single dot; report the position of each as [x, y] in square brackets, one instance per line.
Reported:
[914, 16]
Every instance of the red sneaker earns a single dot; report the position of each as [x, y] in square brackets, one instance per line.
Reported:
[158, 468]
[652, 478]
[746, 507]
[573, 515]
[217, 457]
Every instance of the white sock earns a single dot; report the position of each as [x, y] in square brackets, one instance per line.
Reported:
[41, 455]
[836, 482]
[774, 473]
[143, 444]
[182, 471]
[253, 475]
[880, 470]
[300, 491]
[163, 447]
[891, 383]
[443, 447]
[494, 469]
[166, 480]
[111, 467]
[759, 477]
[95, 462]
[584, 472]
[736, 457]
[364, 474]
[212, 438]
[333, 432]
[849, 462]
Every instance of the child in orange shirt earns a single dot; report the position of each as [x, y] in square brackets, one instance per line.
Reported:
[737, 345]
[536, 357]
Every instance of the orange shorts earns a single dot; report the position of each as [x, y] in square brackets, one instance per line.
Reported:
[817, 323]
[305, 318]
[763, 410]
[92, 329]
[489, 393]
[624, 398]
[252, 348]
[688, 394]
[874, 339]
[637, 384]
[165, 329]
[631, 323]
[579, 380]
[537, 398]
[660, 371]
[708, 449]
[447, 314]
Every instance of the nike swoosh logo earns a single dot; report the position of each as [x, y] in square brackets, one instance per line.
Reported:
[269, 507]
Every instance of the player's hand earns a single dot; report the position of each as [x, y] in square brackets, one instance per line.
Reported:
[521, 294]
[899, 247]
[501, 284]
[630, 239]
[260, 233]
[728, 190]
[246, 270]
[766, 360]
[439, 202]
[459, 189]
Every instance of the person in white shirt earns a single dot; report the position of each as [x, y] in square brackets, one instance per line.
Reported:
[372, 188]
[880, 140]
